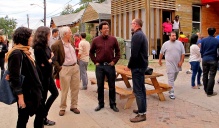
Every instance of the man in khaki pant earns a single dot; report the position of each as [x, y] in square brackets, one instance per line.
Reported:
[67, 69]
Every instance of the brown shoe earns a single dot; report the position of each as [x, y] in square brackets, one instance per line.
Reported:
[75, 110]
[61, 112]
[135, 111]
[138, 118]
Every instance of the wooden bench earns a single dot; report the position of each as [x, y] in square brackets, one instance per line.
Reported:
[122, 92]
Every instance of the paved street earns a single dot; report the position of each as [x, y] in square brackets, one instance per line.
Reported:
[191, 108]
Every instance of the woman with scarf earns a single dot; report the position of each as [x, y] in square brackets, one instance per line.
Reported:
[44, 58]
[29, 92]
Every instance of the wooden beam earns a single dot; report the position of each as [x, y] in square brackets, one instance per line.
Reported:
[139, 13]
[122, 26]
[155, 29]
[133, 15]
[127, 25]
[147, 7]
[161, 27]
[112, 25]
[117, 25]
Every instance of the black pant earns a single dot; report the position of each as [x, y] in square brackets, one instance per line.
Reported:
[2, 62]
[49, 85]
[23, 117]
[209, 72]
[109, 72]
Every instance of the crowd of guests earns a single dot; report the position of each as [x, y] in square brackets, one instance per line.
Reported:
[57, 57]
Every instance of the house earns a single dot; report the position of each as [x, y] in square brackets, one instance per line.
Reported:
[194, 16]
[71, 20]
[94, 14]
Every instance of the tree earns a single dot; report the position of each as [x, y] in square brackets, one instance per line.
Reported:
[68, 10]
[86, 1]
[7, 25]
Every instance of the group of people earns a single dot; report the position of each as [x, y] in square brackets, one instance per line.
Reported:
[69, 62]
[205, 50]
[169, 26]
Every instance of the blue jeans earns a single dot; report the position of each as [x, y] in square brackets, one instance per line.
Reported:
[209, 72]
[139, 89]
[83, 72]
[196, 69]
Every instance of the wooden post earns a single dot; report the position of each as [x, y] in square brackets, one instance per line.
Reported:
[112, 25]
[117, 25]
[148, 23]
[155, 29]
[122, 26]
[127, 25]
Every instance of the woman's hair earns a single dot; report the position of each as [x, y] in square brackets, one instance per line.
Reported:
[194, 39]
[41, 36]
[1, 39]
[21, 35]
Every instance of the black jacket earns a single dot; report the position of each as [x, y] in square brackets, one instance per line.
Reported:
[139, 50]
[42, 55]
[31, 87]
[4, 49]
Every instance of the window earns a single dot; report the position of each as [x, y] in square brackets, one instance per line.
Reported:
[196, 18]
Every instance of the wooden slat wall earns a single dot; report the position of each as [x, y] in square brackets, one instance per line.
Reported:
[117, 25]
[112, 25]
[89, 14]
[122, 26]
[123, 6]
[127, 24]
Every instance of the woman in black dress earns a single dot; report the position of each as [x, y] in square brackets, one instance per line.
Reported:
[44, 58]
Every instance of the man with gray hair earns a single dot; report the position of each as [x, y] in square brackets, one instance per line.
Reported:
[66, 69]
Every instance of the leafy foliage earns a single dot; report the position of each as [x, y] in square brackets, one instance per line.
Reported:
[121, 46]
[7, 25]
[67, 10]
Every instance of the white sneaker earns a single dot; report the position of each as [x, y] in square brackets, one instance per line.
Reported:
[172, 96]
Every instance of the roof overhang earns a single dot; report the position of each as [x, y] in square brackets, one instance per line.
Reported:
[209, 1]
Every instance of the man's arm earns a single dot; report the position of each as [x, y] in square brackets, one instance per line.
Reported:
[181, 60]
[92, 52]
[160, 59]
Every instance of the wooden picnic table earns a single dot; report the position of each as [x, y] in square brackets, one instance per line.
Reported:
[127, 93]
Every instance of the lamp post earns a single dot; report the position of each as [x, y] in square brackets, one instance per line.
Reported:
[44, 8]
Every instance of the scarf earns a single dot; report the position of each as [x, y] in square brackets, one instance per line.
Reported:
[21, 47]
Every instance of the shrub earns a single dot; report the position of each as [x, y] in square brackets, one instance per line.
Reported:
[121, 46]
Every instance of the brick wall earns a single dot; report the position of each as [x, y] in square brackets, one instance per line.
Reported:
[185, 13]
[210, 18]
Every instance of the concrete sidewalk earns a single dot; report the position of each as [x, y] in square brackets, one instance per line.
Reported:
[191, 108]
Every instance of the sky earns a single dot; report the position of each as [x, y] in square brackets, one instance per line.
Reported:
[19, 9]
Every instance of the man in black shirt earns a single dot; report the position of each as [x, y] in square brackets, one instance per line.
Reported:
[138, 63]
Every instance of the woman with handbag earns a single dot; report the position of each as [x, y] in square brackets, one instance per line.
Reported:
[29, 92]
[44, 58]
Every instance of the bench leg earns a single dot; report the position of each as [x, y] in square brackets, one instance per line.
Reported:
[129, 103]
[156, 86]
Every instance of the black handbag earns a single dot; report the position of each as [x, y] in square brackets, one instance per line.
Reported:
[149, 71]
[6, 93]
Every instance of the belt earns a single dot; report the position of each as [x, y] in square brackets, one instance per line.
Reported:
[104, 63]
[70, 65]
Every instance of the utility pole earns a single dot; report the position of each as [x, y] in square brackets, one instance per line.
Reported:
[28, 20]
[44, 12]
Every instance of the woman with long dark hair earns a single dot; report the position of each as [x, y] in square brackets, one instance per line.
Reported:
[29, 92]
[44, 58]
[194, 60]
[3, 50]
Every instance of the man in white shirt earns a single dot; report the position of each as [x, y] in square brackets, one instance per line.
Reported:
[83, 57]
[176, 26]
[174, 56]
[54, 37]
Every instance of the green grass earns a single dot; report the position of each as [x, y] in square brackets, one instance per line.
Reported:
[91, 66]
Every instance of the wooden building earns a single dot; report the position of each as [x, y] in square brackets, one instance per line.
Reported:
[193, 16]
[71, 20]
[95, 13]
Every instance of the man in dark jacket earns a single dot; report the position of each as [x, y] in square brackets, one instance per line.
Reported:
[209, 56]
[138, 63]
[3, 50]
